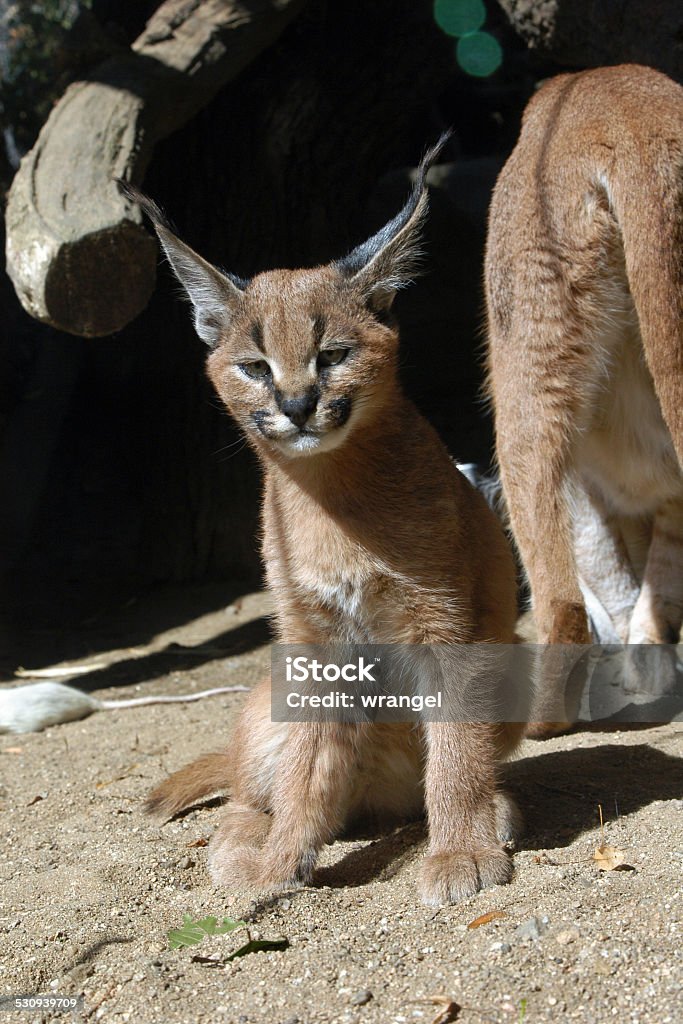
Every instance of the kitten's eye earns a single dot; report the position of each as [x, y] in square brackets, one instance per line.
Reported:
[332, 356]
[257, 368]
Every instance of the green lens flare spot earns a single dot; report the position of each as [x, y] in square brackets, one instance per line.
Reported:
[459, 17]
[479, 54]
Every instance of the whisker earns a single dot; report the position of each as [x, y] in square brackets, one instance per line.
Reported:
[232, 444]
[232, 454]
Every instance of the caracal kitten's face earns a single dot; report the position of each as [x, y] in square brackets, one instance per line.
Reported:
[304, 361]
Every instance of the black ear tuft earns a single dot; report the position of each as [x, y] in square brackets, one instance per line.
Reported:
[213, 294]
[389, 259]
[147, 205]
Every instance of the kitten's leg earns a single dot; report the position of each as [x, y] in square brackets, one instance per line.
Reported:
[256, 748]
[464, 813]
[235, 845]
[509, 820]
[658, 612]
[310, 798]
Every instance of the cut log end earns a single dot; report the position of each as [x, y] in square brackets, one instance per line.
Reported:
[94, 285]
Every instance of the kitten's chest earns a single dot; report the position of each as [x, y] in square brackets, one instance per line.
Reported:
[319, 567]
[342, 586]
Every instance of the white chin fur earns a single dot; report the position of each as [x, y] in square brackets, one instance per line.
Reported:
[312, 444]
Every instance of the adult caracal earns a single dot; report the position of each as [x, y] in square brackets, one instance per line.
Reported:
[370, 535]
[584, 283]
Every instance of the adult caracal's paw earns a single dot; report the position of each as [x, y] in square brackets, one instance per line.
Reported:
[451, 877]
[650, 669]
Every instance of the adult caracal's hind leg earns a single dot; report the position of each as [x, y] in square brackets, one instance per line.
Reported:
[585, 306]
[609, 579]
[658, 613]
[535, 457]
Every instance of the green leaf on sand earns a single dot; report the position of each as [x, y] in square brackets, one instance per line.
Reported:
[193, 932]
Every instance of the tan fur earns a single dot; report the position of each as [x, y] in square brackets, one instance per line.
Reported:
[370, 534]
[585, 302]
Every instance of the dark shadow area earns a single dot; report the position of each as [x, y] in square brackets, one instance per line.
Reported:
[91, 951]
[559, 792]
[100, 619]
[176, 657]
[381, 860]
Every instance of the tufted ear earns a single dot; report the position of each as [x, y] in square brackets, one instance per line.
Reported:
[390, 259]
[214, 295]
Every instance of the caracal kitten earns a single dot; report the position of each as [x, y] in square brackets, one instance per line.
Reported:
[584, 283]
[370, 535]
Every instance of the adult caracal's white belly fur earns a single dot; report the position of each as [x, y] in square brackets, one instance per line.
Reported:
[625, 451]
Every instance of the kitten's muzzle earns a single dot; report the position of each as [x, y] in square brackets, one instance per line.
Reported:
[298, 410]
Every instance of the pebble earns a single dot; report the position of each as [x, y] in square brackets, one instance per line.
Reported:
[531, 929]
[361, 998]
[184, 863]
[601, 965]
[567, 935]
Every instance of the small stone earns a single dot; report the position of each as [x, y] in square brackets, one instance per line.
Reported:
[184, 863]
[602, 966]
[531, 929]
[567, 935]
[361, 998]
[284, 904]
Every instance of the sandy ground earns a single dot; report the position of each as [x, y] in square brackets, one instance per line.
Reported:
[89, 887]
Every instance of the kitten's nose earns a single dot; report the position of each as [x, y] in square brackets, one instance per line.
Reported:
[299, 409]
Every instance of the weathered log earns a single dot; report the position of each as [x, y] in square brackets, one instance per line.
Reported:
[77, 253]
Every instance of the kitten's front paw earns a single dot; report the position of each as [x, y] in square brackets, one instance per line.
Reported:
[451, 877]
[286, 872]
